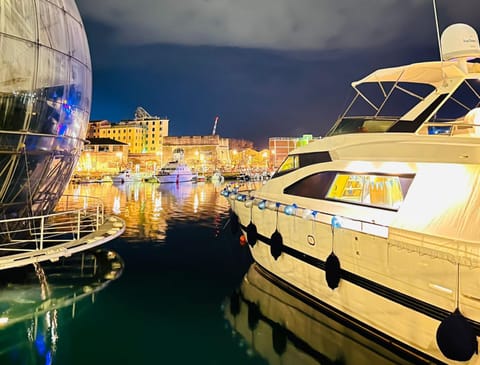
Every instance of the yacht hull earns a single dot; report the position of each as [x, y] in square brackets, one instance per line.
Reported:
[393, 291]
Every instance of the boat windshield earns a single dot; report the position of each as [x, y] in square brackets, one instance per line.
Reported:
[377, 106]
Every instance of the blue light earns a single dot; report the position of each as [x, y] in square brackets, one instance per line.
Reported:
[290, 209]
[336, 222]
[241, 197]
[262, 204]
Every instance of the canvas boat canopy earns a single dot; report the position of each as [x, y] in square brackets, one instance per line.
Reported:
[433, 73]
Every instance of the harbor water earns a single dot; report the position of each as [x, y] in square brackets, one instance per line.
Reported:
[175, 288]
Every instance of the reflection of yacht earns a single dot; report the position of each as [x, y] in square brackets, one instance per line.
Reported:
[175, 171]
[379, 219]
[180, 192]
[217, 177]
[284, 329]
[35, 304]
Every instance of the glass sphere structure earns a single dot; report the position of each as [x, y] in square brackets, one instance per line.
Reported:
[45, 100]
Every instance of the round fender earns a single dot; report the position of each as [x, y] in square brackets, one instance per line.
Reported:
[456, 337]
[252, 234]
[332, 271]
[253, 316]
[276, 244]
[235, 303]
[279, 338]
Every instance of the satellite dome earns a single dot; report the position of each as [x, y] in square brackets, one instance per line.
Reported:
[45, 98]
[459, 41]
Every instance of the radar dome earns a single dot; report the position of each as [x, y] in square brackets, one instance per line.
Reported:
[459, 41]
[45, 98]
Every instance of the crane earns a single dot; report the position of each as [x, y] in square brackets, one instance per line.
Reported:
[215, 125]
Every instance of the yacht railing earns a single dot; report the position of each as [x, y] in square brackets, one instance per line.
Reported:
[75, 216]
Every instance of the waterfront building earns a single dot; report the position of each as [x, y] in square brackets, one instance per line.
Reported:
[143, 134]
[281, 146]
[150, 147]
[202, 153]
[102, 156]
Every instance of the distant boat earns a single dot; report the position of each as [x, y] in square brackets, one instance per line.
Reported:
[217, 177]
[123, 177]
[175, 172]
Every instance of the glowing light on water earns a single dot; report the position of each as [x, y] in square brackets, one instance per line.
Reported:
[116, 205]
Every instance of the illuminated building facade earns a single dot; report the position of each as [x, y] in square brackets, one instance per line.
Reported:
[102, 155]
[280, 147]
[202, 153]
[143, 134]
[45, 99]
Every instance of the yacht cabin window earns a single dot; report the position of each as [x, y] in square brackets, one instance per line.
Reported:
[296, 161]
[382, 191]
[377, 190]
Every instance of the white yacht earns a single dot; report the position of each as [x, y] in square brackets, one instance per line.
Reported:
[176, 171]
[378, 222]
[123, 176]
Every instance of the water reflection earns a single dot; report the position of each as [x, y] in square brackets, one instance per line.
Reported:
[37, 300]
[150, 209]
[285, 330]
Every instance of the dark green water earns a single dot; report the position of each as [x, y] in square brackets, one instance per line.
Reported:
[169, 291]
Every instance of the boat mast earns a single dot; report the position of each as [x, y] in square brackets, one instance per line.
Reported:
[438, 31]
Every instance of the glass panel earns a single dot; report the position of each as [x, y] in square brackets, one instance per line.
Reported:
[72, 9]
[16, 65]
[18, 18]
[16, 80]
[80, 87]
[53, 32]
[290, 163]
[374, 190]
[314, 186]
[78, 45]
[53, 73]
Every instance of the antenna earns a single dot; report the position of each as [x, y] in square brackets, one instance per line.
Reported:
[438, 31]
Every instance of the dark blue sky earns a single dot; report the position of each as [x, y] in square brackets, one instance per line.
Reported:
[266, 67]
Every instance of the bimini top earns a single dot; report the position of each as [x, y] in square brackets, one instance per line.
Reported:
[405, 98]
[434, 73]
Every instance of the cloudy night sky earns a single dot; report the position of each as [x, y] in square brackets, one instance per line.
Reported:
[267, 68]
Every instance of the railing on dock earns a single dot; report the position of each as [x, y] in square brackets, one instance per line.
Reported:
[78, 223]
